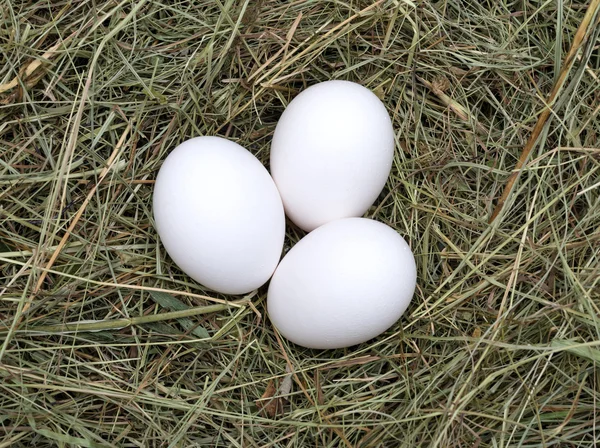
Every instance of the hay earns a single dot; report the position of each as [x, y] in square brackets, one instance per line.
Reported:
[502, 342]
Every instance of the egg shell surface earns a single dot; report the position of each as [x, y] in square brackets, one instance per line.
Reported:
[342, 284]
[219, 215]
[331, 153]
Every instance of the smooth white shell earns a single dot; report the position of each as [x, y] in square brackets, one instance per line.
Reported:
[342, 284]
[219, 215]
[331, 153]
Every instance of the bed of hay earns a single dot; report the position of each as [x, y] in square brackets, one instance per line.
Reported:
[500, 347]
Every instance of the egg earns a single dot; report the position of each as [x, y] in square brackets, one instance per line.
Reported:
[331, 153]
[219, 215]
[342, 284]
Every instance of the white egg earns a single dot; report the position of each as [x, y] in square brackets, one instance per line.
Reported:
[342, 284]
[331, 153]
[219, 215]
